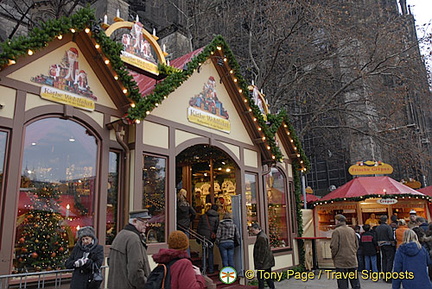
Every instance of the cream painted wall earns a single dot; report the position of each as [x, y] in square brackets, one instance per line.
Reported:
[112, 132]
[131, 180]
[155, 134]
[182, 136]
[7, 99]
[251, 158]
[283, 151]
[33, 100]
[283, 261]
[290, 170]
[97, 116]
[308, 223]
[234, 149]
[175, 106]
[42, 65]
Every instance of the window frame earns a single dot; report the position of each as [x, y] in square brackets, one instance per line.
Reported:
[166, 194]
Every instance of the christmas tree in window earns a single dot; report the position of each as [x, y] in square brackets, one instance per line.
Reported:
[42, 237]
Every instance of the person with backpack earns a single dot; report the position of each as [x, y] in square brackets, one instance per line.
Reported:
[180, 271]
[207, 227]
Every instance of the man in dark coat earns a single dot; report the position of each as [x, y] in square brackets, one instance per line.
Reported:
[128, 261]
[207, 225]
[369, 248]
[422, 224]
[386, 242]
[263, 256]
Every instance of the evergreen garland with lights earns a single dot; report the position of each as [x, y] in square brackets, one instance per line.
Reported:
[38, 38]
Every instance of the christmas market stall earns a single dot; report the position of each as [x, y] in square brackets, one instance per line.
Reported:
[97, 121]
[362, 200]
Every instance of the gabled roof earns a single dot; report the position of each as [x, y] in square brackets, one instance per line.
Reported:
[371, 187]
[147, 84]
[144, 94]
[81, 28]
[262, 131]
[426, 190]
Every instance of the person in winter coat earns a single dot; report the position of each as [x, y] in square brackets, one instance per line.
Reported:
[225, 235]
[185, 214]
[128, 261]
[369, 245]
[344, 245]
[207, 227]
[86, 253]
[402, 227]
[428, 246]
[387, 245]
[422, 224]
[183, 273]
[413, 259]
[263, 256]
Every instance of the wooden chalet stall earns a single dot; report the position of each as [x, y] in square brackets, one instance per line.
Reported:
[89, 133]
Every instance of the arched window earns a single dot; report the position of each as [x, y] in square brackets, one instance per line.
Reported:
[276, 188]
[57, 192]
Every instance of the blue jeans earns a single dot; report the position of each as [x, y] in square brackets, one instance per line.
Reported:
[209, 259]
[226, 249]
[371, 260]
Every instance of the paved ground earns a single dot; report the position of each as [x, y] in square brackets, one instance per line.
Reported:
[328, 283]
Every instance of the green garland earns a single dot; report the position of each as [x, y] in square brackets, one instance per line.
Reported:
[39, 38]
[297, 194]
[361, 198]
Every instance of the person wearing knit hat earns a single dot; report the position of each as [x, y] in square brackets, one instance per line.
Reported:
[86, 232]
[183, 273]
[86, 254]
[178, 240]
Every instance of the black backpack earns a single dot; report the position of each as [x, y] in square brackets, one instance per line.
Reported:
[160, 277]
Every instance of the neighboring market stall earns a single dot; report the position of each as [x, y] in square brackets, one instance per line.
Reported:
[357, 200]
[363, 196]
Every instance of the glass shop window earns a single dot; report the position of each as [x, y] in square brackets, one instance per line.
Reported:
[154, 196]
[251, 199]
[3, 141]
[57, 192]
[277, 208]
[112, 198]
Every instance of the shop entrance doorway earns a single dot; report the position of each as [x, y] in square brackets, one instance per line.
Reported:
[210, 177]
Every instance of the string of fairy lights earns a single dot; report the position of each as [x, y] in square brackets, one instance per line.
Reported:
[140, 107]
[109, 52]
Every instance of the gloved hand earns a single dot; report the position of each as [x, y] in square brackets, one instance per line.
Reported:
[80, 262]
